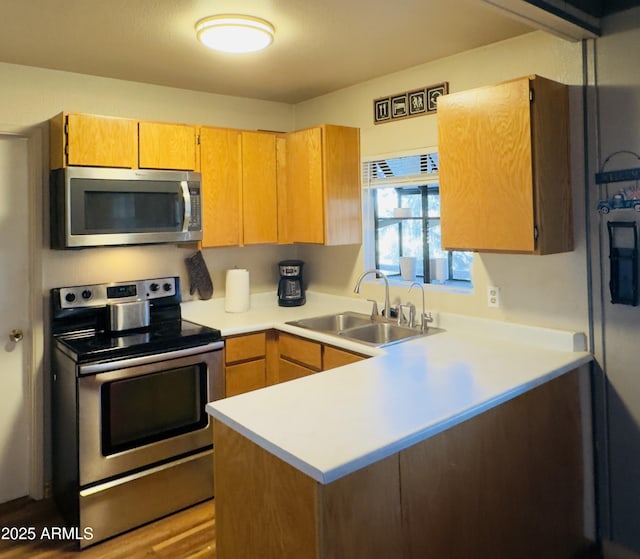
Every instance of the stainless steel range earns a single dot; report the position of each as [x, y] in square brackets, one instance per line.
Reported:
[130, 379]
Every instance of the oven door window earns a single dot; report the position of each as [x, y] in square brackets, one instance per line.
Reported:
[141, 410]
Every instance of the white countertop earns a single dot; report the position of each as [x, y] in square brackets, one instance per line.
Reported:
[333, 423]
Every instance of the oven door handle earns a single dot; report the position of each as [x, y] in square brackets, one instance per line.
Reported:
[93, 368]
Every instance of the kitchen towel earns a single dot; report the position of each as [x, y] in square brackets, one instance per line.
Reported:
[237, 291]
[199, 278]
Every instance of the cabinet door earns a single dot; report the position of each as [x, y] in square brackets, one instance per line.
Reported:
[97, 141]
[342, 185]
[244, 377]
[284, 225]
[167, 146]
[551, 162]
[333, 357]
[288, 370]
[305, 204]
[220, 163]
[259, 194]
[486, 176]
[300, 350]
[242, 348]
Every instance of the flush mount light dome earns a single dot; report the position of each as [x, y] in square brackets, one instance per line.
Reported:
[234, 33]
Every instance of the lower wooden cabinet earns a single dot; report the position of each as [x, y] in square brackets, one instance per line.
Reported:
[297, 357]
[245, 377]
[506, 483]
[245, 363]
[333, 357]
[260, 359]
[288, 370]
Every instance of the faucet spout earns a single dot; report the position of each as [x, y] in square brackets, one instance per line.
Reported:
[378, 273]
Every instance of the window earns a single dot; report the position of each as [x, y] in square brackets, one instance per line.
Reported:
[402, 207]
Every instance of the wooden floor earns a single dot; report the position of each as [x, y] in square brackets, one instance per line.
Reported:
[189, 534]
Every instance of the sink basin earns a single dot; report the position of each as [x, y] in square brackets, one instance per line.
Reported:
[381, 333]
[333, 322]
[361, 328]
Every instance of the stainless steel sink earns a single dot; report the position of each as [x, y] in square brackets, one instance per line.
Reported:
[381, 333]
[362, 328]
[333, 322]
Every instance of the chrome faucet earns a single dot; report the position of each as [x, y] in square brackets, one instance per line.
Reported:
[424, 319]
[387, 304]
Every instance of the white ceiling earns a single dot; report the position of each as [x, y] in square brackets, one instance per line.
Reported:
[320, 45]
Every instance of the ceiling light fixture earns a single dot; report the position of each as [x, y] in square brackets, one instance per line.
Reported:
[234, 33]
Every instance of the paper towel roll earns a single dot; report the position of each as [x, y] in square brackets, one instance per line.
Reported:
[237, 292]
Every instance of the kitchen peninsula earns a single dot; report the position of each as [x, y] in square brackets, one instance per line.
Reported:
[467, 443]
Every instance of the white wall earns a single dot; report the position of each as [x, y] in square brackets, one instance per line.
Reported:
[543, 290]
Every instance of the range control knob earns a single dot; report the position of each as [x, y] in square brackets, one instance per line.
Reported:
[86, 294]
[154, 287]
[70, 297]
[167, 286]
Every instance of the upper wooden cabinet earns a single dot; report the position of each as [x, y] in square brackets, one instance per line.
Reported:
[239, 185]
[323, 198]
[220, 166]
[93, 141]
[99, 141]
[167, 146]
[504, 168]
[259, 188]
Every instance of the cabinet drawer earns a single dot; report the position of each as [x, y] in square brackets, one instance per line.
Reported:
[245, 377]
[287, 370]
[305, 352]
[333, 357]
[242, 348]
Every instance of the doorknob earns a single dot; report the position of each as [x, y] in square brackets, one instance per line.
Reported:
[16, 335]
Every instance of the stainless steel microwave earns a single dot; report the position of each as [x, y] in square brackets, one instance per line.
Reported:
[93, 206]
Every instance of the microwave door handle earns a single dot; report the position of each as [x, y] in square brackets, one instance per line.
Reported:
[186, 197]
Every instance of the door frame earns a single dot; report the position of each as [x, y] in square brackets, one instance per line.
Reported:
[33, 358]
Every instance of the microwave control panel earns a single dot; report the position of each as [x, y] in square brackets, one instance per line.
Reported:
[195, 221]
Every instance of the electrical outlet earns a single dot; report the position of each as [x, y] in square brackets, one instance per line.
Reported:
[493, 296]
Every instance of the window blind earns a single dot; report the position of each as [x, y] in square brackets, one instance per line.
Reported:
[407, 170]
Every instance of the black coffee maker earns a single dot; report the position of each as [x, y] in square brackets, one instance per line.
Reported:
[290, 287]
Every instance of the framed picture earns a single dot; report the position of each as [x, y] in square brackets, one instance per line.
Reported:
[433, 93]
[382, 110]
[399, 107]
[417, 103]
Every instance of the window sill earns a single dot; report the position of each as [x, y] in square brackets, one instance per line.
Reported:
[463, 288]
